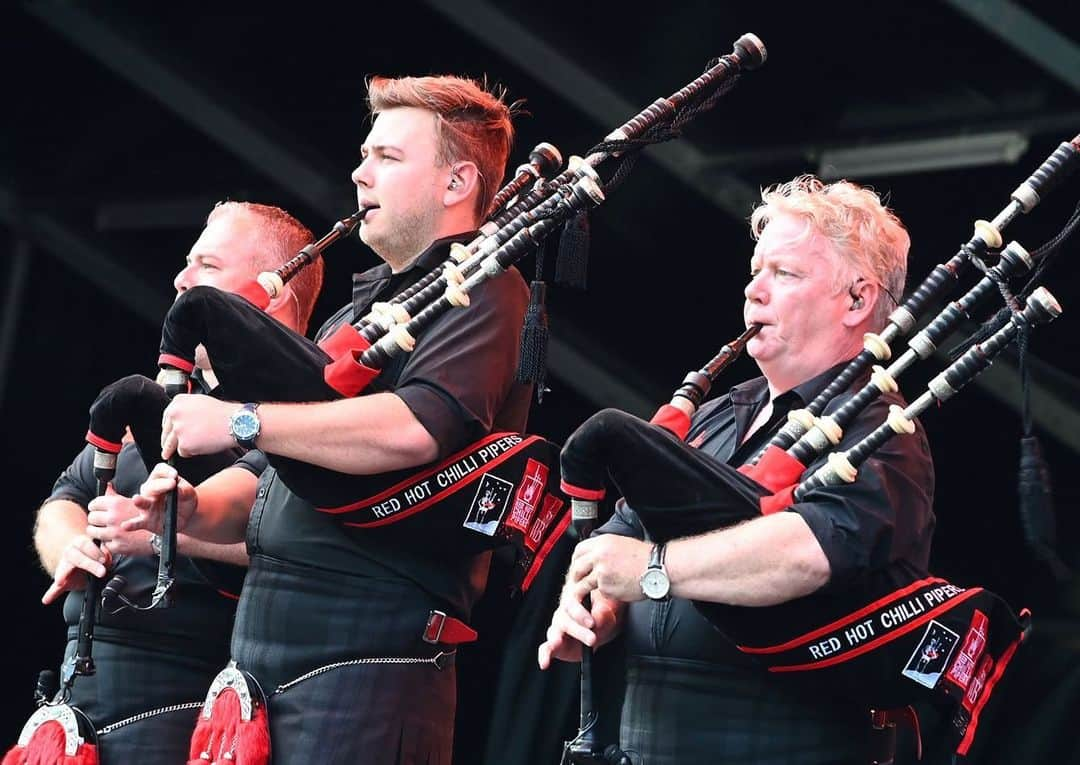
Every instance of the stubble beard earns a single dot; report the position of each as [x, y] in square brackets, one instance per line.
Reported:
[408, 236]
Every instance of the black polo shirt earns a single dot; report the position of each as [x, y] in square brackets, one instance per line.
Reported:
[880, 525]
[459, 383]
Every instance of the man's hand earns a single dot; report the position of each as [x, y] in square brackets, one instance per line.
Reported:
[609, 564]
[572, 626]
[148, 504]
[105, 520]
[79, 557]
[196, 424]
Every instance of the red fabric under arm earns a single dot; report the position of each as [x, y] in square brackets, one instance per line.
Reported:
[346, 338]
[673, 419]
[778, 501]
[347, 375]
[775, 470]
[254, 293]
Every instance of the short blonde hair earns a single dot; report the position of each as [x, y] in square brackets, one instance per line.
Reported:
[866, 234]
[472, 123]
[282, 236]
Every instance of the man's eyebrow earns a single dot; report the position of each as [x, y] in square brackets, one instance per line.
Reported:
[380, 148]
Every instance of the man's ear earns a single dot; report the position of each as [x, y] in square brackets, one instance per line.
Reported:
[462, 182]
[863, 296]
[285, 308]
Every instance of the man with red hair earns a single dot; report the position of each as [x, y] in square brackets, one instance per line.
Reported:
[149, 666]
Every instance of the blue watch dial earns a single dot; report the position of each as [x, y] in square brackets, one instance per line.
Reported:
[245, 426]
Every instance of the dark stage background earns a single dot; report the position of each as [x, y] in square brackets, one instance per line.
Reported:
[125, 121]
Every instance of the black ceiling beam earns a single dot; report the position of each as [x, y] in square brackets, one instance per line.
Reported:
[214, 117]
[1027, 34]
[95, 265]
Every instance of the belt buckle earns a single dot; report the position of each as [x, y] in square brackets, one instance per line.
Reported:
[434, 629]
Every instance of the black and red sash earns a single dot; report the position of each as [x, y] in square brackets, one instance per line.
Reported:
[501, 490]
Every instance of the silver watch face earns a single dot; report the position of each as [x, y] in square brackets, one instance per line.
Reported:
[655, 584]
[245, 425]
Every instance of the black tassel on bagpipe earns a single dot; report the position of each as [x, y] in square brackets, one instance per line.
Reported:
[572, 266]
[532, 365]
[1036, 501]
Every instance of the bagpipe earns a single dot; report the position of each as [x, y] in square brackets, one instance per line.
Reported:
[893, 637]
[258, 360]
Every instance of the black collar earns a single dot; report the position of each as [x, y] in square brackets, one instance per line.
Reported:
[436, 253]
[756, 391]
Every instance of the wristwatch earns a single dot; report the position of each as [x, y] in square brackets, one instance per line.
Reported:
[654, 582]
[244, 425]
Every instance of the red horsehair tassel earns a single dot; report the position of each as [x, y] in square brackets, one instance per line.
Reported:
[233, 728]
[51, 737]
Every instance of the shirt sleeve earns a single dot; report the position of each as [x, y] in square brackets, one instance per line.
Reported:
[623, 522]
[77, 483]
[253, 461]
[462, 369]
[883, 517]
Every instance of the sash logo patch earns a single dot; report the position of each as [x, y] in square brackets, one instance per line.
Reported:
[963, 669]
[489, 504]
[548, 511]
[931, 656]
[977, 683]
[528, 495]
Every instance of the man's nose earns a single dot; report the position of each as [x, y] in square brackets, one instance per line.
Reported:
[756, 291]
[360, 175]
[183, 279]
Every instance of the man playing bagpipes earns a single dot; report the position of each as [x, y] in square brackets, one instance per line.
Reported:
[147, 662]
[351, 636]
[827, 262]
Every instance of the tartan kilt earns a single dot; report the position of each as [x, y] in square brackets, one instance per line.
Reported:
[370, 714]
[132, 680]
[291, 621]
[679, 711]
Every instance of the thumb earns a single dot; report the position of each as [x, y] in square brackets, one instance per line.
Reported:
[110, 491]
